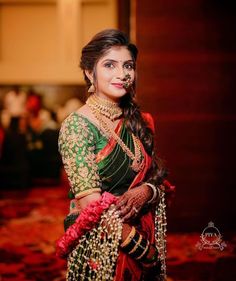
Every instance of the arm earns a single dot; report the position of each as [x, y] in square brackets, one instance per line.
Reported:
[76, 145]
[83, 202]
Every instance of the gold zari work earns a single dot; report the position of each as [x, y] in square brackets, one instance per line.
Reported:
[76, 144]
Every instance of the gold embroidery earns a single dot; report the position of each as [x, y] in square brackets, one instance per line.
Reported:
[76, 145]
[87, 192]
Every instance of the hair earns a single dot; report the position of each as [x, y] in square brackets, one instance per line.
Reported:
[99, 45]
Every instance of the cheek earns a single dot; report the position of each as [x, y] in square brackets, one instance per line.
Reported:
[103, 80]
[104, 76]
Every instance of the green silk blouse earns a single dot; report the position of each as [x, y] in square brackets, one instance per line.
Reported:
[90, 161]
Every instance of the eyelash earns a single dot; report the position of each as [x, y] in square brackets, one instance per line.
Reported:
[126, 66]
[109, 64]
[129, 66]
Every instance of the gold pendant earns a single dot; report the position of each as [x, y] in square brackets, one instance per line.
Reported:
[137, 165]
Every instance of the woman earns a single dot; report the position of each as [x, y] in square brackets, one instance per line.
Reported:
[116, 226]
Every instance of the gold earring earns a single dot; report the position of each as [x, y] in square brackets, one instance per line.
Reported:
[91, 88]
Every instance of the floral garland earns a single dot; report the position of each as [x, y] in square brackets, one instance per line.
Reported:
[86, 221]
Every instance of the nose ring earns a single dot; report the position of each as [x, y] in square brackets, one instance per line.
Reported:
[127, 81]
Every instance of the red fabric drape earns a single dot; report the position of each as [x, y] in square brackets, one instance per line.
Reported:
[126, 266]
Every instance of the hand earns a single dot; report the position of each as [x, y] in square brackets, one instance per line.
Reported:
[132, 201]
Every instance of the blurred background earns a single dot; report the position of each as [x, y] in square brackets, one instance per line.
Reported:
[186, 80]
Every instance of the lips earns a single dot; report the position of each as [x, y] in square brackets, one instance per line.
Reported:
[118, 85]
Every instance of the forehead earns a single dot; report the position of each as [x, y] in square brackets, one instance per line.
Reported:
[118, 53]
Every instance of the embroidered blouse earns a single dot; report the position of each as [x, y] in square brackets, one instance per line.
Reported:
[92, 162]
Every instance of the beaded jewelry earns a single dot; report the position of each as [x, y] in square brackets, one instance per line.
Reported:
[137, 164]
[95, 255]
[136, 157]
[107, 108]
[160, 233]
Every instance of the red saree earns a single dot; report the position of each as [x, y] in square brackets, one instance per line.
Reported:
[126, 267]
[125, 263]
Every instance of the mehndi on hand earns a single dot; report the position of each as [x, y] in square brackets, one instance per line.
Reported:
[132, 201]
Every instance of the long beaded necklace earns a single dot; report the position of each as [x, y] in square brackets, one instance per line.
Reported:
[136, 157]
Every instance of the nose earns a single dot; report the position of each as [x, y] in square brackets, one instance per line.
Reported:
[121, 73]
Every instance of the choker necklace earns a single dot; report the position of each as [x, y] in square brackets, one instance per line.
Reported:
[107, 108]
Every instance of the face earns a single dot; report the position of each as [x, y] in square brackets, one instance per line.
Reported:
[111, 70]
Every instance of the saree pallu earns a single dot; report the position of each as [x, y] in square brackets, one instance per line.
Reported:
[116, 178]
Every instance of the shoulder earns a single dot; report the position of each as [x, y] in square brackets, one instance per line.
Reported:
[85, 111]
[70, 122]
[76, 123]
[148, 118]
[76, 133]
[78, 117]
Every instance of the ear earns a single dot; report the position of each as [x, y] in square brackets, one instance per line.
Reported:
[89, 74]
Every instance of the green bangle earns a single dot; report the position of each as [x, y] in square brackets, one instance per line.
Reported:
[152, 259]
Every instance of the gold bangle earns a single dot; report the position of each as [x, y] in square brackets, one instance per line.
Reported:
[137, 244]
[129, 237]
[144, 252]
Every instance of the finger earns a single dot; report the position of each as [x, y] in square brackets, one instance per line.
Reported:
[129, 215]
[121, 202]
[125, 210]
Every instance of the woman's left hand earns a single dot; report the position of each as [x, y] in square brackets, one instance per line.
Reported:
[131, 202]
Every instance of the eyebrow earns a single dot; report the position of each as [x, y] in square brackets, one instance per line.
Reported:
[111, 60]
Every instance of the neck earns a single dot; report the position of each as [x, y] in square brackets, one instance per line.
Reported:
[107, 99]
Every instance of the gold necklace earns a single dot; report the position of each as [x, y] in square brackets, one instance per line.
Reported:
[137, 164]
[109, 109]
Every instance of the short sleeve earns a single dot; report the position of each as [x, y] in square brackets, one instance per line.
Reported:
[77, 145]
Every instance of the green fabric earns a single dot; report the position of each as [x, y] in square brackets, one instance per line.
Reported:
[79, 142]
[76, 145]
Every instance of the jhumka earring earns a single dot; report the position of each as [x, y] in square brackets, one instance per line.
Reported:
[91, 88]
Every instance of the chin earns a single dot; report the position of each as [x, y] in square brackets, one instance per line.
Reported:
[117, 95]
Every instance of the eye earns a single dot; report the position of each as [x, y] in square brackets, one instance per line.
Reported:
[129, 66]
[109, 65]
